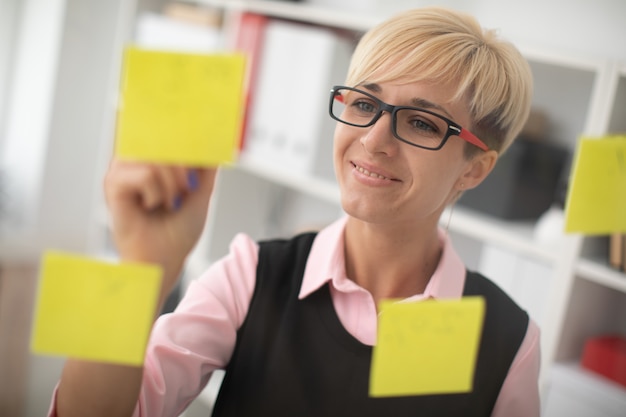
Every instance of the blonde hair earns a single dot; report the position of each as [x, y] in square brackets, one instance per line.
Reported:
[445, 46]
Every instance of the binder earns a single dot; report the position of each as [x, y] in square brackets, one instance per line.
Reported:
[249, 38]
[616, 250]
[289, 125]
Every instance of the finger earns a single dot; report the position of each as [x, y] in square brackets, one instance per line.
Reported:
[123, 181]
[205, 178]
[192, 179]
[200, 182]
[150, 187]
[129, 183]
[180, 181]
[174, 186]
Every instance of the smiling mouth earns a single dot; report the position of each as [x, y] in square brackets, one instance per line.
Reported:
[371, 174]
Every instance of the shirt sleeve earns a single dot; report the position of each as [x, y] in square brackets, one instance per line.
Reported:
[519, 396]
[186, 346]
[199, 336]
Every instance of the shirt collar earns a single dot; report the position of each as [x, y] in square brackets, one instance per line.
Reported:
[326, 262]
[326, 259]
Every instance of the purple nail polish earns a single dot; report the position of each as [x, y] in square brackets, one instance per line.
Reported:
[192, 180]
[178, 201]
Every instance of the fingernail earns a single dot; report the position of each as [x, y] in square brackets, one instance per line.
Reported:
[192, 180]
[178, 201]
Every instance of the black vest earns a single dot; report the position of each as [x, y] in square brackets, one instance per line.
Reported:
[294, 358]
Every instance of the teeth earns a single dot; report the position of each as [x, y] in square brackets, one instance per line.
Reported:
[370, 174]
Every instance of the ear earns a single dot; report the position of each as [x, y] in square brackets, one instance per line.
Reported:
[477, 170]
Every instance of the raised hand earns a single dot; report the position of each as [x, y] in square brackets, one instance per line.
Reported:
[157, 212]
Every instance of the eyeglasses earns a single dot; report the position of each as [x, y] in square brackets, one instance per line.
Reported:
[413, 125]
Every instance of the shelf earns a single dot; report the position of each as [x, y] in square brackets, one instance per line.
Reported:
[552, 57]
[601, 273]
[513, 235]
[323, 189]
[575, 391]
[298, 11]
[572, 371]
[363, 21]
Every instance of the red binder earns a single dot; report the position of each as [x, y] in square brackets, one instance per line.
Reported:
[606, 355]
[249, 33]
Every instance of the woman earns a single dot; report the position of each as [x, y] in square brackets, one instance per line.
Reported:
[431, 101]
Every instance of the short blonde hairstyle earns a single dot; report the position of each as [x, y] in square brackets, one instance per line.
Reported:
[445, 46]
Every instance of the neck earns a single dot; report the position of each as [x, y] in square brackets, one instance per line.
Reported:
[391, 261]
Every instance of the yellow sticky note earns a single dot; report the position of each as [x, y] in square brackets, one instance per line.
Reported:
[180, 108]
[427, 347]
[94, 310]
[596, 201]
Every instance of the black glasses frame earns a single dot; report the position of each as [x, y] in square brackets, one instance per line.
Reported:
[454, 129]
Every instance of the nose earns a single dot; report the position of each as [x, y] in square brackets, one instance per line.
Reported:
[379, 138]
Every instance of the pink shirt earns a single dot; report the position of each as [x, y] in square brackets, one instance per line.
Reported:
[186, 346]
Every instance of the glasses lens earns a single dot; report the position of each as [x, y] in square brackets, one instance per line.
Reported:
[420, 128]
[353, 107]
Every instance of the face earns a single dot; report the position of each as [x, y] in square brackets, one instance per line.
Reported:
[385, 180]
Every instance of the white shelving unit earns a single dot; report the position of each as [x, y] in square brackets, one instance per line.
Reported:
[581, 394]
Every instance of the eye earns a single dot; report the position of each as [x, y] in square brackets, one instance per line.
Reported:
[364, 106]
[417, 125]
[360, 104]
[423, 125]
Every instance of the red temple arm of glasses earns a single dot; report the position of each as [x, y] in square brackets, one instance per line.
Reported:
[469, 136]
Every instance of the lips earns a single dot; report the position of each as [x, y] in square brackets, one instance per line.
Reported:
[372, 174]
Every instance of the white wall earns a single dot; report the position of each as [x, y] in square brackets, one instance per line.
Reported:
[9, 11]
[60, 118]
[34, 56]
[60, 112]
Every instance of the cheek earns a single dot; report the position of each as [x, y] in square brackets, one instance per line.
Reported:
[451, 179]
[341, 142]
[436, 175]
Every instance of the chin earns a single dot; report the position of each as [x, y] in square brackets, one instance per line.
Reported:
[363, 211]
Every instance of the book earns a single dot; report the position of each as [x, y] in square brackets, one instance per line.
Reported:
[249, 35]
[624, 252]
[289, 126]
[616, 250]
[193, 14]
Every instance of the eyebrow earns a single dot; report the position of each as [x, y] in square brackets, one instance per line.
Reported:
[417, 102]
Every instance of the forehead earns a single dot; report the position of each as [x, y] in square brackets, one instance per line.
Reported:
[397, 69]
[417, 93]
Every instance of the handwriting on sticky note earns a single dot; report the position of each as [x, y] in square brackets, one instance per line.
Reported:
[94, 310]
[180, 108]
[596, 201]
[427, 347]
